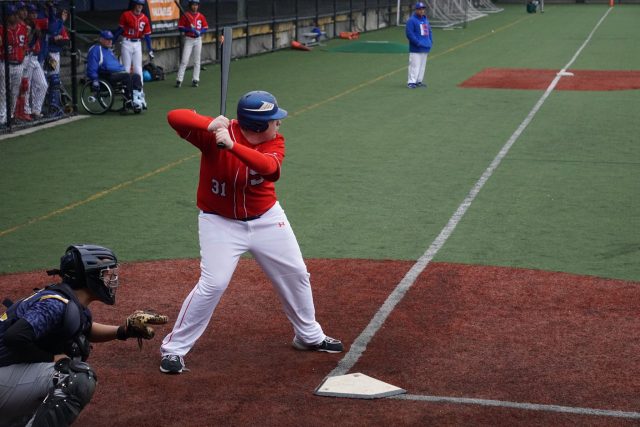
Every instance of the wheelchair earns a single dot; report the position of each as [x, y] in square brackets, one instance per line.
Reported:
[104, 98]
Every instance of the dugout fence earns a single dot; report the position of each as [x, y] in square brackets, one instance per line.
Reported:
[38, 64]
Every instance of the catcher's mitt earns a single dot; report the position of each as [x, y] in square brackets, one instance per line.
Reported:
[137, 324]
[50, 63]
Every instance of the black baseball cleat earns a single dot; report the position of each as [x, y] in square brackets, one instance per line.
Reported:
[178, 83]
[194, 83]
[172, 364]
[328, 345]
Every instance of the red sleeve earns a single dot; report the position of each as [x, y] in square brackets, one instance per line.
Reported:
[192, 126]
[123, 19]
[147, 27]
[266, 164]
[204, 22]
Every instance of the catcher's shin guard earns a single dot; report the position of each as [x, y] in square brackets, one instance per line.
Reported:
[55, 104]
[75, 383]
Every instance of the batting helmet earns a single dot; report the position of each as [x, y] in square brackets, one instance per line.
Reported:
[420, 5]
[90, 266]
[106, 34]
[194, 1]
[138, 1]
[32, 8]
[256, 109]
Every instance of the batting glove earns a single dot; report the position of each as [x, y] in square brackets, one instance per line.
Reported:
[220, 122]
[223, 139]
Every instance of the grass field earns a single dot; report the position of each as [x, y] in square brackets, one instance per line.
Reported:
[526, 201]
[373, 170]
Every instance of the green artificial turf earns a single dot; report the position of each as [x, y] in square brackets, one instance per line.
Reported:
[373, 169]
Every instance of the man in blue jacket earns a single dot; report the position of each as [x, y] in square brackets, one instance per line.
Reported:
[420, 38]
[102, 63]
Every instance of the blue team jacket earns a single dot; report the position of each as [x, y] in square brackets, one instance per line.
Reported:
[102, 60]
[419, 33]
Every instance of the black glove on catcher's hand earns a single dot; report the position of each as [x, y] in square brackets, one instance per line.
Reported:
[137, 325]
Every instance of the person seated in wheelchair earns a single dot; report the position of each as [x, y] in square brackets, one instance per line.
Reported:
[103, 64]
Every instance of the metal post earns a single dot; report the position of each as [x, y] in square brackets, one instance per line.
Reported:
[217, 30]
[74, 55]
[7, 77]
[351, 15]
[273, 25]
[335, 17]
[297, 23]
[246, 20]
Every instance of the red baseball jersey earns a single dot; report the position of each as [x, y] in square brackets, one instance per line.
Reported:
[41, 24]
[195, 21]
[134, 26]
[236, 183]
[17, 36]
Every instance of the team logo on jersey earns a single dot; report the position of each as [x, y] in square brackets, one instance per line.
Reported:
[266, 106]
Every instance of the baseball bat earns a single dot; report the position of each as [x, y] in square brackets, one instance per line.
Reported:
[224, 66]
[225, 59]
[179, 6]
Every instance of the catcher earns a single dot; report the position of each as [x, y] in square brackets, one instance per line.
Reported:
[45, 340]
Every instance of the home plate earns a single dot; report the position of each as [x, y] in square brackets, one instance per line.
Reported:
[357, 386]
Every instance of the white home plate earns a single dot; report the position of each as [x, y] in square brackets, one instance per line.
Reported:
[357, 386]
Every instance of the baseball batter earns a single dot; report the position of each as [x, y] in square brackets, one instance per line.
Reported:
[134, 26]
[239, 212]
[193, 25]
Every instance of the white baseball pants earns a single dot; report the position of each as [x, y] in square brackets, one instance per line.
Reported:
[37, 85]
[274, 246]
[15, 77]
[195, 45]
[417, 66]
[131, 53]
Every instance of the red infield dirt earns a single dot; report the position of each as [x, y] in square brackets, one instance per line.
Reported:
[467, 331]
[534, 79]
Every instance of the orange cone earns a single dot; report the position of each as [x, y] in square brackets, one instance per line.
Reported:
[20, 102]
[299, 46]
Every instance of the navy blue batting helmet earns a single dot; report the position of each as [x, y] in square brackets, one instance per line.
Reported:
[11, 10]
[256, 109]
[420, 5]
[138, 1]
[93, 267]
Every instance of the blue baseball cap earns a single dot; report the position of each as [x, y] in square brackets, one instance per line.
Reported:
[420, 5]
[106, 34]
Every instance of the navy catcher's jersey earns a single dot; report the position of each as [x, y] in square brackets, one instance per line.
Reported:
[48, 313]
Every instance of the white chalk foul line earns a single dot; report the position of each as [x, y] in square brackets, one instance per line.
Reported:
[360, 344]
[518, 405]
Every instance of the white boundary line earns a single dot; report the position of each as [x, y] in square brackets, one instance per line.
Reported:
[36, 128]
[518, 405]
[360, 344]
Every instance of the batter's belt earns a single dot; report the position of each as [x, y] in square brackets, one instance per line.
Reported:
[249, 218]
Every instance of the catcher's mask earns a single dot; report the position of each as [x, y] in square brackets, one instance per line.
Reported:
[256, 109]
[91, 266]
